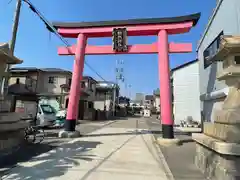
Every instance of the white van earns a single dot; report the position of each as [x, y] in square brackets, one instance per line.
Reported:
[46, 115]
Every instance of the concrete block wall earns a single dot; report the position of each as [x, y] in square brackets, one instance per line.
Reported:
[217, 166]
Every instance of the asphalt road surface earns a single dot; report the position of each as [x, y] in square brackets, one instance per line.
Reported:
[51, 141]
[180, 159]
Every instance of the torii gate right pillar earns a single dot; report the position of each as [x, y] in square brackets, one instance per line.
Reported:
[165, 86]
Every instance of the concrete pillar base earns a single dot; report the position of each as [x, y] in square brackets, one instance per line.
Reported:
[168, 142]
[217, 159]
[69, 134]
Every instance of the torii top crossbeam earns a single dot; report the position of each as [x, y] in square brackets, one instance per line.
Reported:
[135, 27]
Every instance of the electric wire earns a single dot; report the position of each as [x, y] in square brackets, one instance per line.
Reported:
[52, 29]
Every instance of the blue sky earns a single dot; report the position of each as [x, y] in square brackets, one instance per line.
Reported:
[38, 48]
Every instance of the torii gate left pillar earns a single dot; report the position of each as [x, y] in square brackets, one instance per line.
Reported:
[159, 27]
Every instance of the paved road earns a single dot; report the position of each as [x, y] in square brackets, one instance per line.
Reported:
[154, 124]
[179, 159]
[116, 151]
[50, 142]
[84, 128]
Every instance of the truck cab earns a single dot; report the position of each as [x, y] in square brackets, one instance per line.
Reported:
[46, 115]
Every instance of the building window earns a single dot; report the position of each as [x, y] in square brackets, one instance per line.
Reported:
[83, 84]
[69, 82]
[237, 60]
[52, 80]
[211, 50]
[29, 83]
[86, 84]
[92, 86]
[100, 96]
[17, 81]
[90, 105]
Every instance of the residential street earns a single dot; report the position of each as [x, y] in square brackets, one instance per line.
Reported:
[121, 150]
[51, 141]
[113, 149]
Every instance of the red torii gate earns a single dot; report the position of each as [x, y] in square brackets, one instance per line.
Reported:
[162, 27]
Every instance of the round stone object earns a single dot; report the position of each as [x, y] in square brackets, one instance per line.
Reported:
[168, 142]
[69, 134]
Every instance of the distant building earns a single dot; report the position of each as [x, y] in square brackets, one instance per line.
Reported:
[156, 104]
[185, 84]
[139, 98]
[149, 100]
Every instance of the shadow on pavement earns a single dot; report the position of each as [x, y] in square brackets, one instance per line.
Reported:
[175, 133]
[24, 153]
[54, 163]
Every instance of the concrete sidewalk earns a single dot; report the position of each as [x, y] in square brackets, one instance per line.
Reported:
[108, 153]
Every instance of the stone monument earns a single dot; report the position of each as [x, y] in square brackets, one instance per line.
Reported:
[11, 128]
[218, 147]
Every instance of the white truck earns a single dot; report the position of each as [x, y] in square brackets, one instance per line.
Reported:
[46, 115]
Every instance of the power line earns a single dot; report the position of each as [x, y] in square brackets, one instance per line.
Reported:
[9, 2]
[52, 29]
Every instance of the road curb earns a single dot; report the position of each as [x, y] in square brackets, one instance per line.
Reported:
[163, 159]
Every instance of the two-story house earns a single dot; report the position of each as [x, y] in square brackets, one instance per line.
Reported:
[53, 84]
[106, 99]
[45, 82]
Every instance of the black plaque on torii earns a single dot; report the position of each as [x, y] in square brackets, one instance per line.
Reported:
[119, 37]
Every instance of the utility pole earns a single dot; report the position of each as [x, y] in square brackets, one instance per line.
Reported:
[118, 76]
[13, 40]
[15, 26]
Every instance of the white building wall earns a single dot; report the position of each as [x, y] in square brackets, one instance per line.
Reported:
[186, 102]
[157, 103]
[226, 18]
